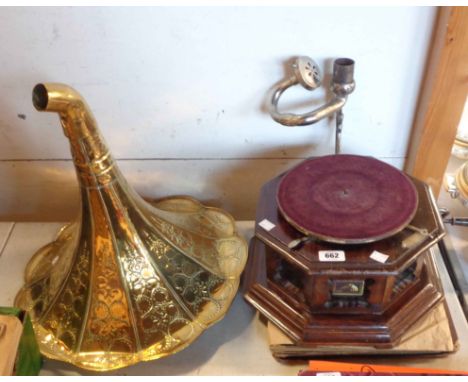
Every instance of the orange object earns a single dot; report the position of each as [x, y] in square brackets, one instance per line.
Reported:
[324, 366]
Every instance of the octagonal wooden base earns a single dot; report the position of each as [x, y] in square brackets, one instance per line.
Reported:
[296, 320]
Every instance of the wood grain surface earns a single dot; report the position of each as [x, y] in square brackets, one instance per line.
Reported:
[442, 98]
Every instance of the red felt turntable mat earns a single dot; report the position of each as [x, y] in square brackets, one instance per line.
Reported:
[347, 198]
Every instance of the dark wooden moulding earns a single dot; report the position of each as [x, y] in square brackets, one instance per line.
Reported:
[293, 289]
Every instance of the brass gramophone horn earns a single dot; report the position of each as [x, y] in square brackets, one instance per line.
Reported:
[126, 281]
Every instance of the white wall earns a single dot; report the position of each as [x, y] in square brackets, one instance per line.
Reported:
[178, 94]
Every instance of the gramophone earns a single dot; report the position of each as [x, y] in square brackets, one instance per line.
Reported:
[128, 280]
[340, 253]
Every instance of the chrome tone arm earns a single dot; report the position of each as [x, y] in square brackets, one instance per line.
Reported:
[307, 74]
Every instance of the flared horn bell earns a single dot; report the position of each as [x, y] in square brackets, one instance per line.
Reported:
[127, 281]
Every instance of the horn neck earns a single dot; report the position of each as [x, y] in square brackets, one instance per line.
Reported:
[93, 161]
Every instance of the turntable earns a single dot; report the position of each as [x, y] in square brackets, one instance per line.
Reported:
[341, 254]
